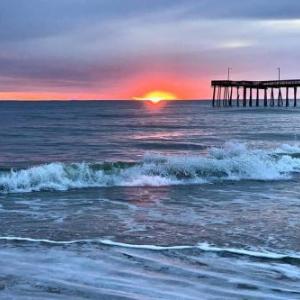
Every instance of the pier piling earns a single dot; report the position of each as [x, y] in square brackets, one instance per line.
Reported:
[272, 102]
[257, 97]
[245, 97]
[280, 99]
[266, 97]
[250, 100]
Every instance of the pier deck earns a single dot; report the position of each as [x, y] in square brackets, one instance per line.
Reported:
[226, 92]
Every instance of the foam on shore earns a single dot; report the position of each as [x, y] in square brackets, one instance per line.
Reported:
[205, 247]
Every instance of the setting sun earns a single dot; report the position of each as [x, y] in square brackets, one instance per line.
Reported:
[157, 96]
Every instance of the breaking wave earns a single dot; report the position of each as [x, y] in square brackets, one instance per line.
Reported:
[232, 162]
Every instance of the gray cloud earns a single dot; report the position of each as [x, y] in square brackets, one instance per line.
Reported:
[250, 9]
[21, 19]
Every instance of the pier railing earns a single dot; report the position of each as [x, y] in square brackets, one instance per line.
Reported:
[250, 93]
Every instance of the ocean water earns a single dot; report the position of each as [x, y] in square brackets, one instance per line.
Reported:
[128, 200]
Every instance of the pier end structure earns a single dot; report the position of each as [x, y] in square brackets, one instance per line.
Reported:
[226, 92]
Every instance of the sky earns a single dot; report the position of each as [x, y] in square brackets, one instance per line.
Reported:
[121, 49]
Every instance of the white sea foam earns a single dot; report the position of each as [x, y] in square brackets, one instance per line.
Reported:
[260, 254]
[205, 247]
[232, 162]
[144, 247]
[290, 149]
[45, 241]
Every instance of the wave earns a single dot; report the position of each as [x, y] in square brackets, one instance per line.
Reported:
[232, 162]
[205, 247]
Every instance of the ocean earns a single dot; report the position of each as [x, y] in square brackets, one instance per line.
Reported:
[131, 200]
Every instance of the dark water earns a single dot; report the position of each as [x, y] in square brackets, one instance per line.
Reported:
[124, 200]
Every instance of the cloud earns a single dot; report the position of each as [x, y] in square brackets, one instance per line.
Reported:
[97, 45]
[23, 19]
[251, 9]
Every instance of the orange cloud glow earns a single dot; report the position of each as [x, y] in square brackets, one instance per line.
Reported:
[50, 96]
[174, 86]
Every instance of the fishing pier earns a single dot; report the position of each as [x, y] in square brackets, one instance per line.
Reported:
[228, 93]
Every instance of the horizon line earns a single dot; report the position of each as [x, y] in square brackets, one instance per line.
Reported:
[92, 100]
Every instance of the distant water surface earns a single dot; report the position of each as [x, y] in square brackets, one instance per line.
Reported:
[128, 200]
